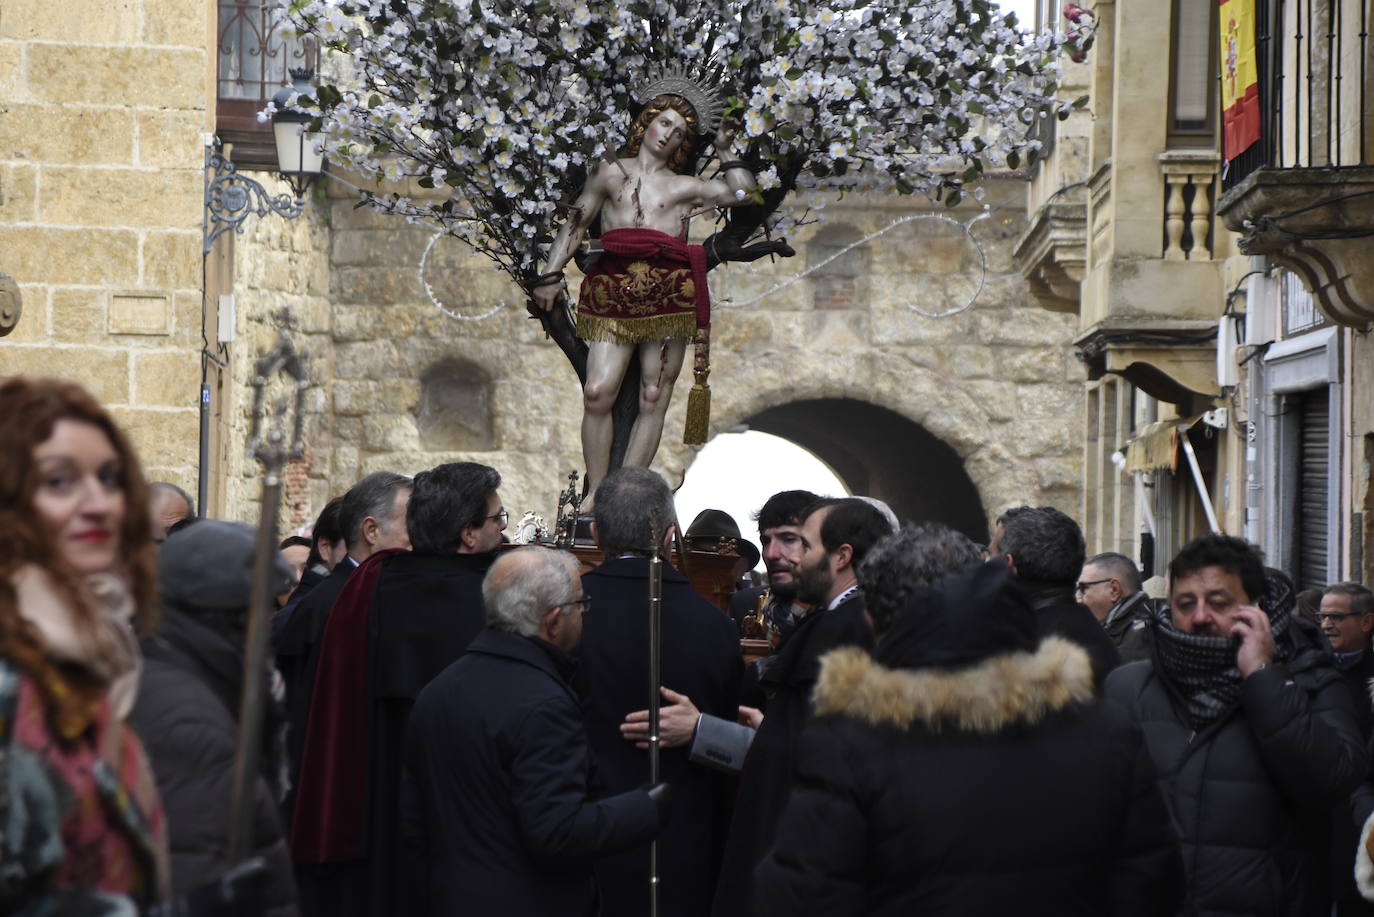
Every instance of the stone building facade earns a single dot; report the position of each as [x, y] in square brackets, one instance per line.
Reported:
[103, 125]
[404, 386]
[103, 107]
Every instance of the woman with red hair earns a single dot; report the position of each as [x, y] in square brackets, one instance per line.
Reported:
[76, 582]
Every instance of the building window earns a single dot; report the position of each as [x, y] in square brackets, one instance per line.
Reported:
[1193, 90]
[255, 50]
[1300, 311]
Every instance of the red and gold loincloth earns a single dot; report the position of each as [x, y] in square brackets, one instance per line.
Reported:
[647, 286]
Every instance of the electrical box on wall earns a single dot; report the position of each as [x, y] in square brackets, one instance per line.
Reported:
[1227, 342]
[227, 318]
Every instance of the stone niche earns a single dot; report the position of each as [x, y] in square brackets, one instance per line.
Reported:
[834, 283]
[454, 414]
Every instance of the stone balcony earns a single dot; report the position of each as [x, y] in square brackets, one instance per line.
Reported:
[1317, 222]
[1052, 253]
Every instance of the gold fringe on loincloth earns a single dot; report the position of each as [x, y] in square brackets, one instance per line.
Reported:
[681, 325]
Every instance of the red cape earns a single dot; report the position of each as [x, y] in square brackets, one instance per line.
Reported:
[329, 823]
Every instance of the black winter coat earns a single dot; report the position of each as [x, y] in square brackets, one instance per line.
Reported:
[187, 717]
[787, 680]
[1060, 616]
[497, 817]
[700, 657]
[1002, 788]
[1251, 794]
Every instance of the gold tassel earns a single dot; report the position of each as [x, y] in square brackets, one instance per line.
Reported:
[698, 411]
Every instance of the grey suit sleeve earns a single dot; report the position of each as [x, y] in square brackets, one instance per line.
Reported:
[720, 744]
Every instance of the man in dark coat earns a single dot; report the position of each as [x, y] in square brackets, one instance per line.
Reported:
[1109, 586]
[1044, 549]
[399, 621]
[1251, 730]
[700, 658]
[966, 768]
[373, 518]
[1346, 616]
[835, 537]
[188, 707]
[497, 809]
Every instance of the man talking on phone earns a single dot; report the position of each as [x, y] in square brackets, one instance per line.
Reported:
[1251, 730]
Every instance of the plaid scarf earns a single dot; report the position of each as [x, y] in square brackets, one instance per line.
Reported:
[1202, 669]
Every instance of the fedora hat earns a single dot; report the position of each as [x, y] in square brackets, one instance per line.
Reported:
[716, 524]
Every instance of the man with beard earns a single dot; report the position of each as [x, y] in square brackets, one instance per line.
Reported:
[1251, 730]
[400, 620]
[834, 537]
[721, 743]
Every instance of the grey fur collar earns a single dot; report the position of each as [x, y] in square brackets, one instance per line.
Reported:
[988, 697]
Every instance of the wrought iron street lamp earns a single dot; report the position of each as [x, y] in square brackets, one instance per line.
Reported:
[231, 197]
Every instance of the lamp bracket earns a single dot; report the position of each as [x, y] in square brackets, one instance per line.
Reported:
[231, 197]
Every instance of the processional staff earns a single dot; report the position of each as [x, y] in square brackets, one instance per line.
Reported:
[268, 444]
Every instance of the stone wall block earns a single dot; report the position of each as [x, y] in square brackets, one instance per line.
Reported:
[313, 315]
[399, 395]
[169, 22]
[355, 397]
[111, 75]
[78, 315]
[13, 84]
[738, 330]
[172, 260]
[349, 430]
[1025, 327]
[18, 193]
[365, 360]
[54, 134]
[104, 372]
[1061, 474]
[390, 433]
[102, 21]
[121, 197]
[37, 254]
[345, 470]
[186, 318]
[1021, 365]
[997, 399]
[170, 139]
[167, 378]
[375, 285]
[1049, 402]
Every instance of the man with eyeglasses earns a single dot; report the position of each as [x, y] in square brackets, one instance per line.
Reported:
[1109, 586]
[700, 661]
[500, 814]
[402, 617]
[1346, 616]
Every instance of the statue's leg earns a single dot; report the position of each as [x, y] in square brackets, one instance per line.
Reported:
[606, 365]
[660, 362]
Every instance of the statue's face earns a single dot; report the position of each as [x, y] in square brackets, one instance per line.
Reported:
[665, 134]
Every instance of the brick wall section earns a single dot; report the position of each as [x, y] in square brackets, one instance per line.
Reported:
[102, 105]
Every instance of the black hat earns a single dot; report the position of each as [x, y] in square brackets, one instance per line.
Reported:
[720, 525]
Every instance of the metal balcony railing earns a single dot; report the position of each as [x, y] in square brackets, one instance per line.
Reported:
[1312, 61]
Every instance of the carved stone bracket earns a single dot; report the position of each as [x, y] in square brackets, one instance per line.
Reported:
[1318, 223]
[1052, 254]
[11, 304]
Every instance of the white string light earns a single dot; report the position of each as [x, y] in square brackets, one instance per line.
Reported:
[967, 228]
[429, 291]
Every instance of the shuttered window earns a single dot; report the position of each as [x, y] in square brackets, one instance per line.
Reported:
[1313, 491]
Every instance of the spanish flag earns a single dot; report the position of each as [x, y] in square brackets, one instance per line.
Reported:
[1239, 78]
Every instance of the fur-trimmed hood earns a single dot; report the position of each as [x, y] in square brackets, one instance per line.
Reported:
[989, 696]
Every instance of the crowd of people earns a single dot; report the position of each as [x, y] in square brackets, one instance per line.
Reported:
[455, 725]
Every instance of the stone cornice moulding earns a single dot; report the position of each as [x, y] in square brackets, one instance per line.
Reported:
[1317, 223]
[1052, 253]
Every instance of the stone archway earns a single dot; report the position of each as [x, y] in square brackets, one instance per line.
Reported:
[879, 453]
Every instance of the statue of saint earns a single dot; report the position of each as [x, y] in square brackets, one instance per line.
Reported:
[646, 295]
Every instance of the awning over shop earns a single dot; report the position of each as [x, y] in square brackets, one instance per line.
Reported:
[1155, 446]
[1174, 374]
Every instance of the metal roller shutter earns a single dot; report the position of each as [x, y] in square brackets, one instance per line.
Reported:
[1313, 488]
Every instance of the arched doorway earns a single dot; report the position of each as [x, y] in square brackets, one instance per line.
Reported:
[880, 453]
